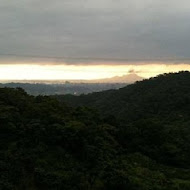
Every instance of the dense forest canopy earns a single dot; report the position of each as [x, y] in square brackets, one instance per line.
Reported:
[156, 96]
[136, 138]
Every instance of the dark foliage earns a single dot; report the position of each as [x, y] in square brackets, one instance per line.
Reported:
[138, 139]
[153, 116]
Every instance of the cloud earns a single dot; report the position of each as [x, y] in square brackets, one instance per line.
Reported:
[92, 32]
[131, 71]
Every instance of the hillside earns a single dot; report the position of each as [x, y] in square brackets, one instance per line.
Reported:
[165, 96]
[135, 138]
[160, 104]
[67, 88]
[75, 87]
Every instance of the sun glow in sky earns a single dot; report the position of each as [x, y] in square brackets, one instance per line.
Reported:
[86, 39]
[58, 72]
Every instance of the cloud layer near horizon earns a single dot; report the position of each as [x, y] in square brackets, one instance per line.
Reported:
[92, 31]
[61, 72]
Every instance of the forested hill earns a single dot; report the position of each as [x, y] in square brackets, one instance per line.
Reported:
[135, 145]
[166, 96]
[153, 116]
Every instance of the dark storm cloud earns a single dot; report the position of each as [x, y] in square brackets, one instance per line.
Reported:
[92, 31]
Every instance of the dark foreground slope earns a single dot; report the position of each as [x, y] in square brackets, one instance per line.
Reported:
[46, 145]
[153, 115]
[165, 96]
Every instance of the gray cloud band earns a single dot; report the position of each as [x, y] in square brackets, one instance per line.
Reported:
[90, 32]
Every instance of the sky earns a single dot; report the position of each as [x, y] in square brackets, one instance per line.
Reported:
[74, 39]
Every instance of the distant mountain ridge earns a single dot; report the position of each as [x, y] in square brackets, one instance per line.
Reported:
[129, 78]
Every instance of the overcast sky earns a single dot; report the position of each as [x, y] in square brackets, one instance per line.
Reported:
[96, 30]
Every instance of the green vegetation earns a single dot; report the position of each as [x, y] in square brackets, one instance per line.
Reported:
[135, 138]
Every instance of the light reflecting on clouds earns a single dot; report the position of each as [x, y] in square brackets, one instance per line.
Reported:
[54, 72]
